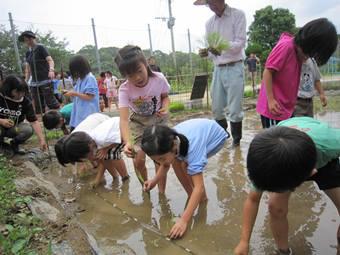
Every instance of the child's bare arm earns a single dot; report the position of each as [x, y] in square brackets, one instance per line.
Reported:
[165, 104]
[250, 209]
[273, 105]
[179, 228]
[100, 174]
[321, 92]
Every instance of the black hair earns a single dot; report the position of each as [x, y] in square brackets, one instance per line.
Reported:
[158, 140]
[79, 67]
[109, 72]
[102, 74]
[318, 39]
[13, 82]
[128, 59]
[73, 148]
[51, 119]
[280, 159]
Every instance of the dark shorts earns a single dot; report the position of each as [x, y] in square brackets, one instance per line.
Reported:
[328, 177]
[267, 123]
[115, 153]
[304, 107]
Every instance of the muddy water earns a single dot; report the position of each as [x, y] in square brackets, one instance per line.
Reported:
[124, 220]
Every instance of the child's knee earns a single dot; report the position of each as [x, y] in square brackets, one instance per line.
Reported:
[277, 210]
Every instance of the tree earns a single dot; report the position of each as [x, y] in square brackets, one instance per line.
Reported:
[266, 28]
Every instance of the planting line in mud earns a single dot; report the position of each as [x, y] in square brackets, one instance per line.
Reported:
[144, 225]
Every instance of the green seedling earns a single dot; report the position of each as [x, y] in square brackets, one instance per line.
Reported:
[215, 43]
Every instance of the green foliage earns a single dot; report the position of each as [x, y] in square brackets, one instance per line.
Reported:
[176, 107]
[266, 28]
[20, 226]
[248, 93]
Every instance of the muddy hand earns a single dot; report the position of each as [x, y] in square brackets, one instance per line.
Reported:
[203, 53]
[129, 151]
[148, 185]
[323, 100]
[162, 112]
[242, 249]
[6, 123]
[178, 230]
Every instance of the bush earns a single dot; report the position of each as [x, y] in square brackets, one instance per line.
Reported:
[176, 107]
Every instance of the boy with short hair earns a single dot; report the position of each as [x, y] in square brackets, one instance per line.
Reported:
[279, 160]
[58, 119]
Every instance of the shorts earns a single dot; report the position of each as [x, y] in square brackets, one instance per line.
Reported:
[267, 123]
[115, 153]
[327, 177]
[138, 123]
[304, 107]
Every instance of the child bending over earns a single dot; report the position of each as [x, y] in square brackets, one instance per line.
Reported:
[279, 160]
[97, 138]
[186, 148]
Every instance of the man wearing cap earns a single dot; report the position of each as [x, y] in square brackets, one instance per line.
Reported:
[40, 67]
[228, 77]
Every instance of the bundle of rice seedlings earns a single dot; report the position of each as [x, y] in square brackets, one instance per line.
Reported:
[215, 43]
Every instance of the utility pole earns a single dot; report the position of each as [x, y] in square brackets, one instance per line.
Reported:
[96, 46]
[150, 41]
[190, 55]
[14, 38]
[171, 23]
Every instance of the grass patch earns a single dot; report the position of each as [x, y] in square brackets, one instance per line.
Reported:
[50, 135]
[18, 225]
[176, 107]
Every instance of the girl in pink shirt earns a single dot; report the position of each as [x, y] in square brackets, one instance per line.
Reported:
[143, 102]
[281, 77]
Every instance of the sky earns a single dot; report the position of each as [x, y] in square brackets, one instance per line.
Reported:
[126, 22]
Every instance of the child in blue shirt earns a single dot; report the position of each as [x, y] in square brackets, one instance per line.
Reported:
[85, 94]
[187, 148]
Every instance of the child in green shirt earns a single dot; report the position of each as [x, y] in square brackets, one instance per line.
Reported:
[279, 160]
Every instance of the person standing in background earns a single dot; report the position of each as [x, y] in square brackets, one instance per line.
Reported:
[102, 88]
[40, 69]
[252, 61]
[228, 77]
[310, 79]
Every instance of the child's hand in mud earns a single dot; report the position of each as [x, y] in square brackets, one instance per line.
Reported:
[94, 184]
[242, 248]
[129, 150]
[178, 230]
[149, 185]
[163, 111]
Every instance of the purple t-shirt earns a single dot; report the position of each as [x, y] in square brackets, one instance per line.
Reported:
[284, 61]
[147, 100]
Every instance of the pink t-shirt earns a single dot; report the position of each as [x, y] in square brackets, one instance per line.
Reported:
[147, 100]
[284, 61]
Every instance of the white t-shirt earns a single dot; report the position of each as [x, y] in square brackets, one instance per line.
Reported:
[309, 75]
[101, 128]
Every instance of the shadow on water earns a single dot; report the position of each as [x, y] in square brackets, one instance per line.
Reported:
[124, 220]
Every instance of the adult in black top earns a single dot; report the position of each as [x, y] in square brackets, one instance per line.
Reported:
[40, 66]
[15, 107]
[252, 61]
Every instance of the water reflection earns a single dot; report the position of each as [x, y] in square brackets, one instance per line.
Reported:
[215, 227]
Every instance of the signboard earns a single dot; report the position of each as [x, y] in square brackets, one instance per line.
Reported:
[199, 87]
